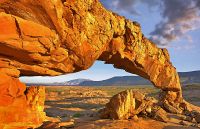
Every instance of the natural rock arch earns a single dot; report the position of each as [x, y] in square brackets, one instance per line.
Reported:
[48, 37]
[70, 36]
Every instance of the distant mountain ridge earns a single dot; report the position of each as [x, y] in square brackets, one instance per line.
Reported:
[118, 81]
[185, 77]
[74, 82]
[190, 77]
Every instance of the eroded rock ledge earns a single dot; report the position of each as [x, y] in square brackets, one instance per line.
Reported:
[20, 107]
[132, 104]
[48, 37]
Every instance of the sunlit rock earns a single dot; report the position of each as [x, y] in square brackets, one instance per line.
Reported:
[126, 105]
[20, 107]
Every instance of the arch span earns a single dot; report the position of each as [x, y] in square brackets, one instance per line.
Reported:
[48, 37]
[69, 37]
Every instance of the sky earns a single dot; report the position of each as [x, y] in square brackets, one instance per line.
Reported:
[171, 24]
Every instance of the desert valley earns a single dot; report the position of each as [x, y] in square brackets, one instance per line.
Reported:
[77, 107]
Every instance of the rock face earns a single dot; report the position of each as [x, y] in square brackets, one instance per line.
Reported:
[19, 106]
[160, 115]
[126, 105]
[52, 37]
[47, 37]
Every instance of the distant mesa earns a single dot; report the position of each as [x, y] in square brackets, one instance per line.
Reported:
[74, 82]
[185, 78]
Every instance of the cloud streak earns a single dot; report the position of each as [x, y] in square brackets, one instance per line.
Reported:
[128, 6]
[179, 17]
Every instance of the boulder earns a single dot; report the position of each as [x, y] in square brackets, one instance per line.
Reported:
[188, 118]
[160, 114]
[49, 125]
[197, 117]
[172, 109]
[125, 105]
[184, 123]
[18, 104]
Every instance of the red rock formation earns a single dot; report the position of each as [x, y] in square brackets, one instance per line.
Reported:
[19, 106]
[70, 36]
[126, 105]
[48, 37]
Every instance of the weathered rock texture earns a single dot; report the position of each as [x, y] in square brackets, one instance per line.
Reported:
[47, 37]
[126, 105]
[19, 106]
[52, 37]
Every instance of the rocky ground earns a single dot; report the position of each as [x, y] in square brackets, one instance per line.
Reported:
[77, 107]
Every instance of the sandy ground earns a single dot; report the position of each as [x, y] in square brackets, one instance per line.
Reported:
[80, 106]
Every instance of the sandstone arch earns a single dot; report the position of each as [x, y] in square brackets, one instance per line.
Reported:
[69, 37]
[48, 37]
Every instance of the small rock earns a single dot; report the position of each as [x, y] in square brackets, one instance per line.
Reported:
[187, 113]
[143, 114]
[182, 117]
[188, 118]
[135, 118]
[196, 125]
[67, 119]
[160, 115]
[197, 117]
[184, 123]
[49, 125]
[71, 120]
[66, 124]
[62, 93]
[171, 109]
[194, 113]
[148, 110]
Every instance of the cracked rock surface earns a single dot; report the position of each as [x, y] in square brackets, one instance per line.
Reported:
[47, 37]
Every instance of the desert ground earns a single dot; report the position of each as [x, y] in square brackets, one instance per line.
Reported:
[77, 107]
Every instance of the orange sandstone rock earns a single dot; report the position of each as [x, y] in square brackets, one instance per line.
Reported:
[40, 37]
[125, 105]
[19, 109]
[11, 89]
[55, 37]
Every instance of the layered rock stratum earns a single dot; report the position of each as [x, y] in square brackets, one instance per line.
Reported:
[54, 37]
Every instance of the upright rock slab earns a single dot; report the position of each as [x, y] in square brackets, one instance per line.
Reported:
[126, 105]
[20, 107]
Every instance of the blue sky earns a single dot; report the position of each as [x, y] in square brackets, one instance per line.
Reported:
[184, 49]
